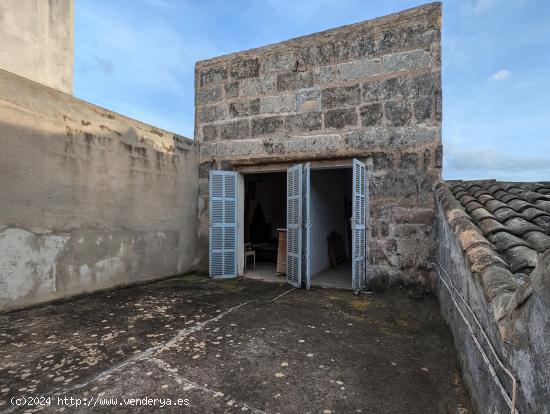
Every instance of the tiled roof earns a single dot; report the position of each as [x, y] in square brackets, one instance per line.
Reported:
[513, 217]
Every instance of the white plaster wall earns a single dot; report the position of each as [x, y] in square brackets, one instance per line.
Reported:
[89, 199]
[25, 253]
[328, 190]
[36, 41]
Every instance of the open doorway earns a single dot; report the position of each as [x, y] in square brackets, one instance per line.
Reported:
[264, 225]
[330, 213]
[307, 226]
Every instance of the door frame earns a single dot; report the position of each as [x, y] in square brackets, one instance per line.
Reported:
[242, 170]
[283, 166]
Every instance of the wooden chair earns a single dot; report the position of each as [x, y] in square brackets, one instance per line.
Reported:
[247, 253]
[336, 249]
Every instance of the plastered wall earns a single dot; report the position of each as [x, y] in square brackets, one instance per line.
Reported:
[89, 199]
[36, 41]
[329, 190]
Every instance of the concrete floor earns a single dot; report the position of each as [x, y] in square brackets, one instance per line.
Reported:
[234, 346]
[266, 272]
[339, 278]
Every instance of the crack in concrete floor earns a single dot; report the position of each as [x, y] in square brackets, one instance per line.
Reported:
[145, 355]
[246, 346]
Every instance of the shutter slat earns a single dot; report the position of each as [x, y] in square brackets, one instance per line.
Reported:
[223, 224]
[307, 224]
[360, 221]
[294, 225]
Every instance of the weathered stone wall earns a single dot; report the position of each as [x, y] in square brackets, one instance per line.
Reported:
[518, 328]
[370, 90]
[89, 199]
[36, 41]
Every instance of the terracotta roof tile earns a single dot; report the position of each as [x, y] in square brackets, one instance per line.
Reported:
[514, 218]
[543, 222]
[538, 186]
[533, 196]
[494, 188]
[481, 213]
[520, 258]
[488, 265]
[519, 205]
[482, 195]
[503, 214]
[519, 226]
[538, 240]
[489, 226]
[472, 186]
[499, 193]
[456, 215]
[494, 204]
[496, 281]
[471, 238]
[532, 213]
[481, 257]
[457, 187]
[543, 205]
[472, 205]
[508, 186]
[464, 199]
[504, 241]
[512, 188]
[507, 197]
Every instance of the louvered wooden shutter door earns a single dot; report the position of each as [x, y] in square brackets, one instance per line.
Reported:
[359, 223]
[223, 224]
[294, 226]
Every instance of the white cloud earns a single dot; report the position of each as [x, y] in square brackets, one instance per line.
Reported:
[501, 75]
[490, 163]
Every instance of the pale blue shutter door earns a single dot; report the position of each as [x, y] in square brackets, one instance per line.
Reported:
[294, 225]
[359, 226]
[307, 223]
[223, 224]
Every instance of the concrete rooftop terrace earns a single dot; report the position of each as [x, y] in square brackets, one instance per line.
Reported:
[234, 347]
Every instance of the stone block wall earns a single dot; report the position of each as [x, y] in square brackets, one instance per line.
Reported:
[89, 199]
[371, 90]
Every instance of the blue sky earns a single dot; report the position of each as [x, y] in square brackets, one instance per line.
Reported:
[137, 57]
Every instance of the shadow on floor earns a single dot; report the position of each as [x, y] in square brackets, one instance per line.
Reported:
[339, 278]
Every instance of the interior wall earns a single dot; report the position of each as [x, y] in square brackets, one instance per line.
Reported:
[270, 193]
[89, 199]
[329, 188]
